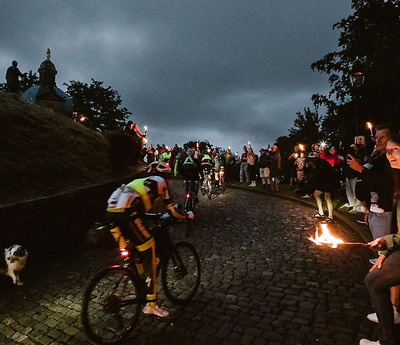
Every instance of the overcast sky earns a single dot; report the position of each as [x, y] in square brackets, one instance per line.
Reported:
[224, 70]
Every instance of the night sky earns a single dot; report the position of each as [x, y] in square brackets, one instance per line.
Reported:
[224, 70]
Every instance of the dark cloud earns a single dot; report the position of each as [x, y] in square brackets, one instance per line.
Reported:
[227, 71]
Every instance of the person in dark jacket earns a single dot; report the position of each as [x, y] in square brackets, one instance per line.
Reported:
[324, 179]
[377, 178]
[357, 151]
[12, 75]
[264, 166]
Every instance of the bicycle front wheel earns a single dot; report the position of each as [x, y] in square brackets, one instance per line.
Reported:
[181, 273]
[111, 305]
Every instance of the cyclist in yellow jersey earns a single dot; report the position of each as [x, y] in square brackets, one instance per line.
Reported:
[126, 206]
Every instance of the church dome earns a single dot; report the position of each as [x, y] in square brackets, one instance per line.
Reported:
[46, 93]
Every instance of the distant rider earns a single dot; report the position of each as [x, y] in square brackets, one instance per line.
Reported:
[189, 168]
[125, 208]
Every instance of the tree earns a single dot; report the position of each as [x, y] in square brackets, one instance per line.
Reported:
[203, 145]
[26, 82]
[100, 105]
[306, 127]
[371, 34]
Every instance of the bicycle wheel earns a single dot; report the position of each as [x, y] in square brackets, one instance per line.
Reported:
[209, 189]
[188, 204]
[222, 185]
[181, 273]
[203, 188]
[111, 305]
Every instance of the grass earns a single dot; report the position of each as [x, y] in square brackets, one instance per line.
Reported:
[43, 152]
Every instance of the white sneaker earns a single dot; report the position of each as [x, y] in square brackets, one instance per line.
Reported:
[368, 342]
[156, 310]
[373, 261]
[374, 318]
[345, 205]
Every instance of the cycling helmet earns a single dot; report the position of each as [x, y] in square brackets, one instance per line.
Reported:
[159, 168]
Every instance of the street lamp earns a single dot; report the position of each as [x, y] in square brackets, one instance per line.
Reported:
[357, 80]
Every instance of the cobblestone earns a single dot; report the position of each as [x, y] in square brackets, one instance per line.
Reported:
[262, 283]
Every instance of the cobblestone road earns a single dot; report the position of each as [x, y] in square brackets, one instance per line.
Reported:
[262, 282]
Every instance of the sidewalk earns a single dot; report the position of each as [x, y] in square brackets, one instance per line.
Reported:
[340, 215]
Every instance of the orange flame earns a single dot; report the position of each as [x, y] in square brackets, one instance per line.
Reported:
[369, 125]
[326, 238]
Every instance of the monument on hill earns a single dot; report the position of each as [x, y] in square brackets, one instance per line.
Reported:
[46, 93]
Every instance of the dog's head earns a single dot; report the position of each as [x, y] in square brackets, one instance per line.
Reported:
[15, 252]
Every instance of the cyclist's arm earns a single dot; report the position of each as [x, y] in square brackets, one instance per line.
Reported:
[167, 199]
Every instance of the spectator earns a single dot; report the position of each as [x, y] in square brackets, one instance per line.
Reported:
[385, 274]
[229, 162]
[377, 182]
[264, 164]
[324, 182]
[275, 169]
[336, 161]
[251, 167]
[243, 166]
[292, 163]
[12, 76]
[150, 154]
[357, 151]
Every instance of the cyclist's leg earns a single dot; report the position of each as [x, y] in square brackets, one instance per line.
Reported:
[145, 244]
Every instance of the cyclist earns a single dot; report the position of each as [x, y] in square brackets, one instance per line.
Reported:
[189, 168]
[218, 165]
[126, 207]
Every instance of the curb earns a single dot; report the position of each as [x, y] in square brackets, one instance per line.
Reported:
[340, 218]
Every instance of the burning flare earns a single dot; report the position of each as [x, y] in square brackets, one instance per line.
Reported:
[326, 238]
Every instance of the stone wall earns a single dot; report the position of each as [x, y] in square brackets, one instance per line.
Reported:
[63, 218]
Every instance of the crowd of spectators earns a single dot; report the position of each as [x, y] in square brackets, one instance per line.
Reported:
[369, 178]
[372, 187]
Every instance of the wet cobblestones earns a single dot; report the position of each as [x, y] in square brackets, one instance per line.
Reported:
[262, 282]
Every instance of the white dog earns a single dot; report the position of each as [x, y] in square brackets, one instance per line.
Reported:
[15, 257]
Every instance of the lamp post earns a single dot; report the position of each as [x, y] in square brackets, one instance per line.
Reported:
[357, 80]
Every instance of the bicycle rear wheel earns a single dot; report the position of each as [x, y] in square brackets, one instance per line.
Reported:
[223, 185]
[181, 273]
[209, 189]
[111, 305]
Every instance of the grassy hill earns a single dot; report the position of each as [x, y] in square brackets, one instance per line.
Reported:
[43, 152]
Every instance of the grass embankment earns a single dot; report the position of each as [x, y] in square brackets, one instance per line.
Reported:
[43, 152]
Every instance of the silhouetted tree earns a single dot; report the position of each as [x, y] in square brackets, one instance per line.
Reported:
[371, 34]
[99, 104]
[306, 128]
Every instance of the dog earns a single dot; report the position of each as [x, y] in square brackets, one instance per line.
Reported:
[15, 258]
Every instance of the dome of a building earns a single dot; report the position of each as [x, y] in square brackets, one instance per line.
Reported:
[46, 93]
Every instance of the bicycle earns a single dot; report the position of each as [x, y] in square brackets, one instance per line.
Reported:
[190, 195]
[113, 299]
[207, 185]
[221, 179]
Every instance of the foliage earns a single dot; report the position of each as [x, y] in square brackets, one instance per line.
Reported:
[99, 104]
[29, 79]
[371, 34]
[124, 149]
[306, 127]
[203, 145]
